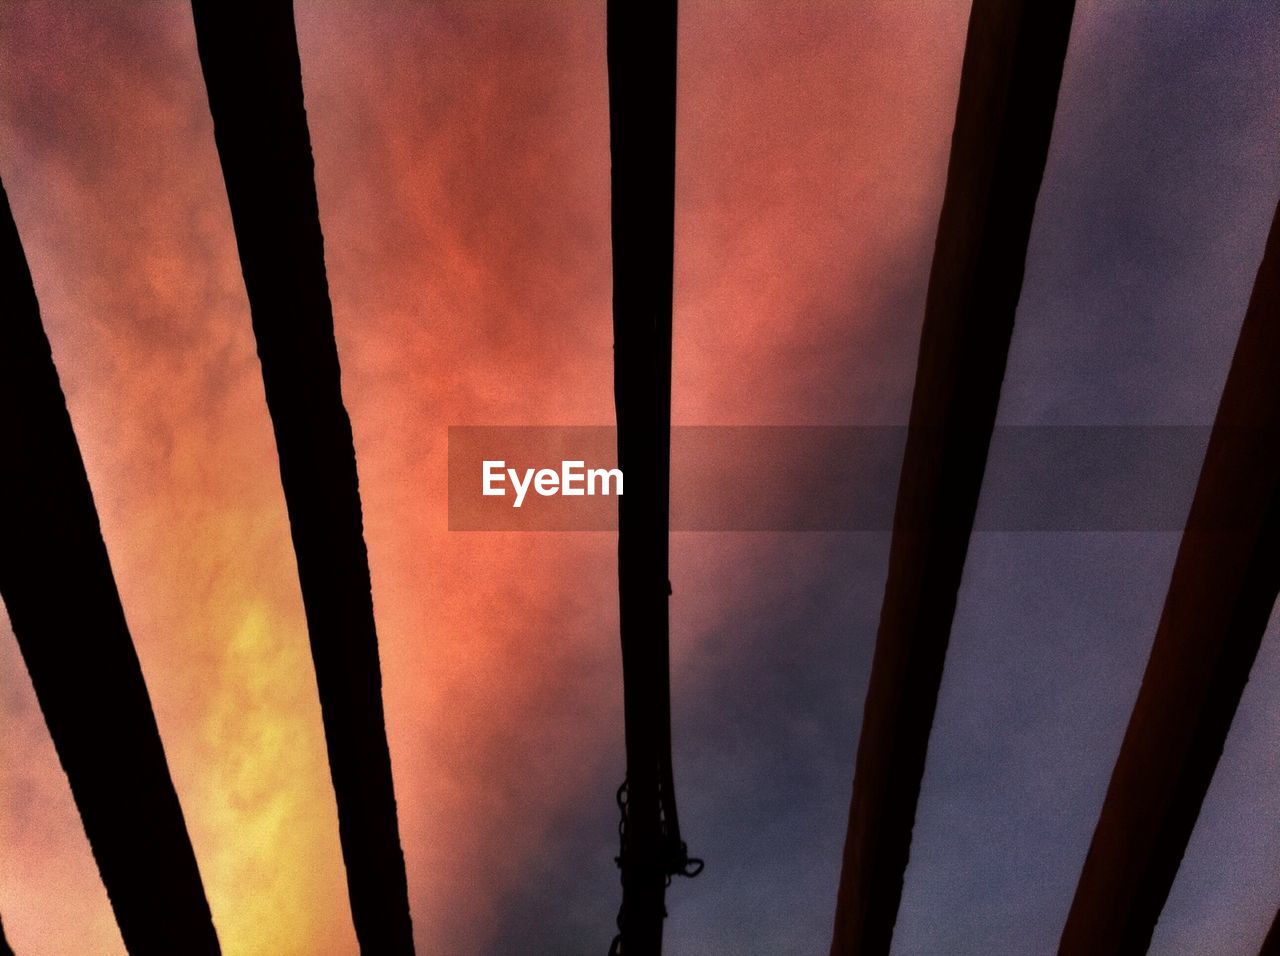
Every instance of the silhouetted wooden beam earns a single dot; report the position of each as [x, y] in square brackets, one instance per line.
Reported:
[642, 131]
[1009, 81]
[1271, 945]
[56, 581]
[1221, 594]
[249, 54]
[5, 948]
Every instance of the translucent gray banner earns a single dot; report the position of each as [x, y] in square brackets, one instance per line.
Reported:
[818, 478]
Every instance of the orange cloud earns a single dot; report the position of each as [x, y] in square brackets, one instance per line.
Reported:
[462, 168]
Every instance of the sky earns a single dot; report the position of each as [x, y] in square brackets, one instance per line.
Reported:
[462, 170]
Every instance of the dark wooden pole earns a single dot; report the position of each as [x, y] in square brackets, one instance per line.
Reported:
[1271, 945]
[1221, 594]
[1009, 82]
[56, 581]
[249, 53]
[642, 130]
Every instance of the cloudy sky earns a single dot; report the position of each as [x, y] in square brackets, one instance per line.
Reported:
[462, 169]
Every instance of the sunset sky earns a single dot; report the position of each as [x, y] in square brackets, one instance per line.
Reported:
[462, 167]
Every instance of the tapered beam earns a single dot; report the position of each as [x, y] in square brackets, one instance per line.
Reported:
[57, 584]
[249, 54]
[1271, 945]
[642, 129]
[1009, 82]
[1221, 594]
